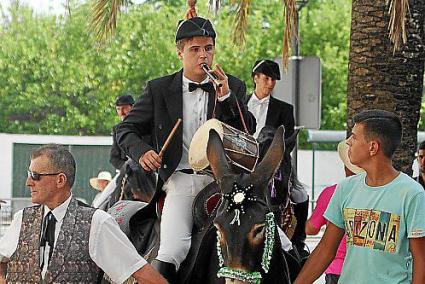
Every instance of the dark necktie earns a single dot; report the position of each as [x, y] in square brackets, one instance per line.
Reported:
[207, 87]
[48, 235]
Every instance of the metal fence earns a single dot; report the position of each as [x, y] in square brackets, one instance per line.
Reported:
[8, 209]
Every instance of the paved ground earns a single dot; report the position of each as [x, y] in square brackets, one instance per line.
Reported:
[312, 242]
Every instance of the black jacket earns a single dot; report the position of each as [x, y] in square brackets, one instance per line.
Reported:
[280, 113]
[158, 109]
[117, 157]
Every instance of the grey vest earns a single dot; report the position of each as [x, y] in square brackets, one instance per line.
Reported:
[70, 262]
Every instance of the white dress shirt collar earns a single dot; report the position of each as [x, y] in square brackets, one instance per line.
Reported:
[259, 108]
[256, 100]
[186, 82]
[60, 211]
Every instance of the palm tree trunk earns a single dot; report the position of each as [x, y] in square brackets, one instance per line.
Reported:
[381, 79]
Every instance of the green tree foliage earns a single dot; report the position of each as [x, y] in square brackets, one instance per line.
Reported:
[325, 32]
[56, 79]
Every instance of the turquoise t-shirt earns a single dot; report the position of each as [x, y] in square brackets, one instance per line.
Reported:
[378, 222]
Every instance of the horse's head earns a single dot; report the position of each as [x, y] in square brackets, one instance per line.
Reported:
[245, 225]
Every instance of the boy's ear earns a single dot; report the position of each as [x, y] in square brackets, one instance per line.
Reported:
[374, 147]
[179, 54]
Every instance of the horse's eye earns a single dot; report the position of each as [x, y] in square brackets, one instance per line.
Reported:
[259, 232]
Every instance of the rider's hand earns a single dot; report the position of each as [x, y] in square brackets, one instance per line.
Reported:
[150, 161]
[222, 78]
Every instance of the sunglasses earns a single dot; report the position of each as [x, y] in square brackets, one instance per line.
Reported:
[37, 176]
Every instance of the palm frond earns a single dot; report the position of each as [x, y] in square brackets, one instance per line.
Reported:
[68, 7]
[398, 10]
[214, 6]
[104, 17]
[290, 15]
[241, 22]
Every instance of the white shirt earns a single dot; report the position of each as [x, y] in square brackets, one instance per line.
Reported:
[109, 247]
[195, 108]
[259, 109]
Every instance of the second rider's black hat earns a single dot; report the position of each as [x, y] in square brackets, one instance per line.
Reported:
[124, 100]
[268, 68]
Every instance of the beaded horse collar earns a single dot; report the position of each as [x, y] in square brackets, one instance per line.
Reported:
[237, 201]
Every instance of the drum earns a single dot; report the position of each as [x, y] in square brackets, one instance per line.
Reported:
[241, 149]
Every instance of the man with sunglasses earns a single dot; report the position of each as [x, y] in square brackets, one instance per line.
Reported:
[61, 240]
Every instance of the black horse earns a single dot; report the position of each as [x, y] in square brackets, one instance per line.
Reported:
[241, 244]
[133, 183]
[248, 246]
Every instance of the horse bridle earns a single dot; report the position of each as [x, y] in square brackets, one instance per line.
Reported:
[236, 202]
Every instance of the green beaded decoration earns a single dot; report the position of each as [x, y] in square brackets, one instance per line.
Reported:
[251, 277]
[269, 242]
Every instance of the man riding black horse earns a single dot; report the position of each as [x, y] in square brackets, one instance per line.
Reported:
[190, 96]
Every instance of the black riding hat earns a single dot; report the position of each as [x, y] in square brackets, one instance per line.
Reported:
[268, 68]
[195, 26]
[124, 100]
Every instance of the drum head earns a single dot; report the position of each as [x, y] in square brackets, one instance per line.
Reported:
[198, 146]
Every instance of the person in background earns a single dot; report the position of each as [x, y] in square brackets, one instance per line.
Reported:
[123, 106]
[266, 109]
[99, 183]
[139, 185]
[421, 164]
[269, 111]
[62, 240]
[381, 212]
[317, 221]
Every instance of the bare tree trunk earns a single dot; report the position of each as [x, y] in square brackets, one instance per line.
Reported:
[381, 79]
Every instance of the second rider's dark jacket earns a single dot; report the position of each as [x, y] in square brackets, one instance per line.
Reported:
[158, 109]
[279, 113]
[117, 157]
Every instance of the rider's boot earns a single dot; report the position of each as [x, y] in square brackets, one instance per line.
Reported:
[167, 270]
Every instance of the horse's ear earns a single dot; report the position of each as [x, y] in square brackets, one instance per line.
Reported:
[216, 156]
[290, 141]
[271, 161]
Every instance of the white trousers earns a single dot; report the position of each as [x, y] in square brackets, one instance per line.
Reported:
[176, 218]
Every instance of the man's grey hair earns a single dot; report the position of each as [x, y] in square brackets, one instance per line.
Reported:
[60, 158]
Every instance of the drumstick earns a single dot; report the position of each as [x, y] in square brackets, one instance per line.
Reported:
[167, 142]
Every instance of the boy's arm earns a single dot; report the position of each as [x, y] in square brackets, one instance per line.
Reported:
[417, 247]
[321, 256]
[310, 229]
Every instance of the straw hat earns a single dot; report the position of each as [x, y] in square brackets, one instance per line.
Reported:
[94, 182]
[343, 155]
